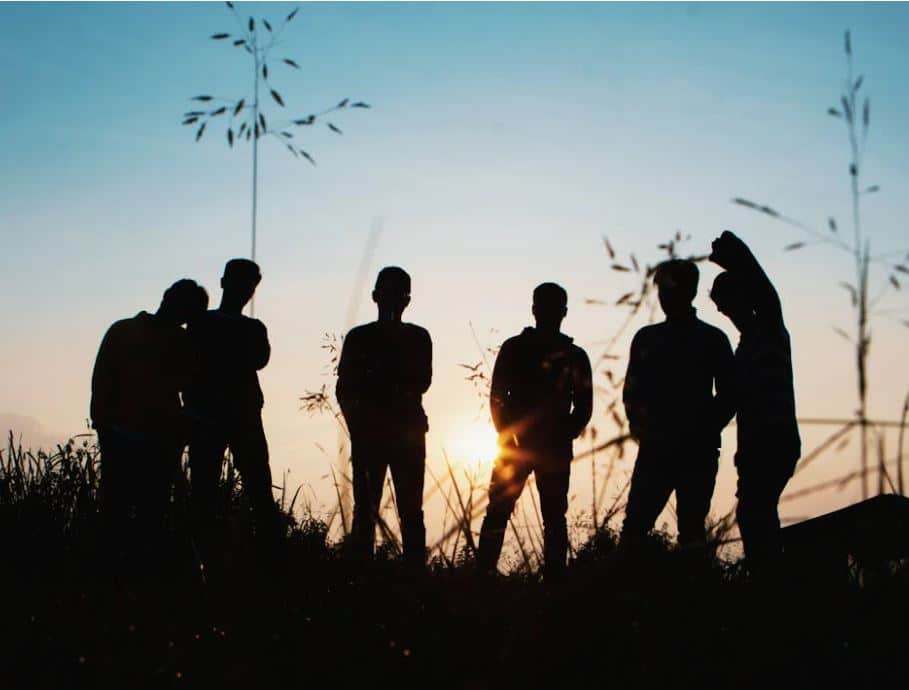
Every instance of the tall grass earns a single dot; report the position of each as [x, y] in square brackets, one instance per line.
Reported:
[865, 298]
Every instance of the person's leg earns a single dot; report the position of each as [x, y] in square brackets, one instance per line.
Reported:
[552, 475]
[369, 461]
[408, 467]
[156, 464]
[760, 485]
[115, 489]
[206, 459]
[694, 491]
[508, 477]
[249, 449]
[651, 485]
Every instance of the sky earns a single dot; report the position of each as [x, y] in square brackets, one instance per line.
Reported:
[503, 142]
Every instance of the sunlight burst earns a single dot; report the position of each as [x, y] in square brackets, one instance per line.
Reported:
[473, 442]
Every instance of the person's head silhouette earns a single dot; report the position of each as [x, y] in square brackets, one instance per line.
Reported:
[550, 304]
[239, 282]
[391, 293]
[182, 302]
[677, 285]
[732, 298]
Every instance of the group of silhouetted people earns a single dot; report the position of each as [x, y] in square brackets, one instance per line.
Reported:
[158, 387]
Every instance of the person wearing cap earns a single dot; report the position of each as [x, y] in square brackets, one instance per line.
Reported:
[541, 399]
[769, 444]
[226, 399]
[384, 370]
[678, 398]
[141, 368]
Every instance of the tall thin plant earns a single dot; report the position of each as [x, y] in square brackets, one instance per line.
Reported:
[855, 112]
[246, 117]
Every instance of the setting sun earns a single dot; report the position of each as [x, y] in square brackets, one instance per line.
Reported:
[472, 441]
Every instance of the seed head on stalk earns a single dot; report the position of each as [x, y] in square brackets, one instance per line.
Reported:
[245, 118]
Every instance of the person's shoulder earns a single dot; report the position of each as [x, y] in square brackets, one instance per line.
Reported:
[513, 342]
[122, 324]
[416, 331]
[129, 324]
[578, 353]
[249, 321]
[711, 331]
[257, 324]
[364, 329]
[651, 330]
[359, 336]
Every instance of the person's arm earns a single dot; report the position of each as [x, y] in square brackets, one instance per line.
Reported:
[724, 401]
[582, 408]
[420, 367]
[498, 388]
[734, 255]
[350, 378]
[633, 390]
[259, 347]
[104, 380]
[188, 391]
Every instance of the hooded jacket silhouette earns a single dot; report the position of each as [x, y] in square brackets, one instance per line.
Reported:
[537, 393]
[541, 398]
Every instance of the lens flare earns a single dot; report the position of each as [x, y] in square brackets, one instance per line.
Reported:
[473, 442]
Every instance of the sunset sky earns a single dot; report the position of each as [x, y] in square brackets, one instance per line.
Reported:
[504, 141]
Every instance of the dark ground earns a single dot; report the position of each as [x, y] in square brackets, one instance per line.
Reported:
[71, 619]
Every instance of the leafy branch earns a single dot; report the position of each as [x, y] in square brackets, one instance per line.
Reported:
[244, 116]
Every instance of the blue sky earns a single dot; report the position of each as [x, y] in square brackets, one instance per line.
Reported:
[503, 142]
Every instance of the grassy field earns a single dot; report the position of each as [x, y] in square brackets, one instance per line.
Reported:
[76, 617]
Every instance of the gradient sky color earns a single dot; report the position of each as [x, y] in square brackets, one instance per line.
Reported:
[504, 141]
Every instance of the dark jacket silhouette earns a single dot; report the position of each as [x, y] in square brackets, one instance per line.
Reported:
[679, 383]
[538, 393]
[384, 370]
[768, 437]
[226, 401]
[230, 348]
[678, 396]
[142, 366]
[541, 399]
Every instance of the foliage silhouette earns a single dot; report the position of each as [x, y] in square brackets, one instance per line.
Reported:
[245, 116]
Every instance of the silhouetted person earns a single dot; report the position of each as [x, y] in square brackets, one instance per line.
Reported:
[226, 399]
[541, 398]
[673, 412]
[768, 436]
[142, 366]
[385, 368]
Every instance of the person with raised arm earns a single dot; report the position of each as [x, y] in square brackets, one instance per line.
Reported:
[769, 445]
